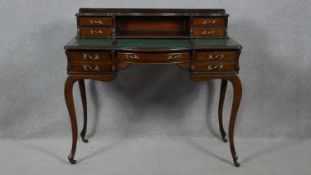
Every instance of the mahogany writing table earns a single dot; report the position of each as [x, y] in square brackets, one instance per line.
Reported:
[109, 40]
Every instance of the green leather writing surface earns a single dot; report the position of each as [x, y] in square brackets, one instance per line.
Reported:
[216, 42]
[90, 42]
[153, 43]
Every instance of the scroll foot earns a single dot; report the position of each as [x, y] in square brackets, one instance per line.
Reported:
[71, 160]
[224, 139]
[236, 163]
[83, 137]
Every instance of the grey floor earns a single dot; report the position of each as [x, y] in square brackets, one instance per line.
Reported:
[156, 155]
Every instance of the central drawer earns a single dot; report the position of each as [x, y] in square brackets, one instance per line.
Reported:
[154, 57]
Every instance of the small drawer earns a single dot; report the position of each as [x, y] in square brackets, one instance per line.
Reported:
[207, 22]
[95, 32]
[88, 56]
[94, 21]
[215, 56]
[215, 67]
[90, 68]
[208, 32]
[130, 57]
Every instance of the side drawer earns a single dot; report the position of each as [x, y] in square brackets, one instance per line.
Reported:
[133, 57]
[95, 21]
[90, 67]
[207, 22]
[88, 56]
[215, 67]
[98, 32]
[208, 32]
[215, 56]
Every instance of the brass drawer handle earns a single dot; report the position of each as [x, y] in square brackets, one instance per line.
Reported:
[208, 32]
[90, 68]
[174, 56]
[209, 21]
[96, 21]
[131, 56]
[216, 57]
[215, 67]
[87, 56]
[95, 32]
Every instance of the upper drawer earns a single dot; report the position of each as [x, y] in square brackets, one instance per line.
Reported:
[130, 57]
[209, 32]
[216, 56]
[95, 32]
[206, 22]
[94, 21]
[88, 56]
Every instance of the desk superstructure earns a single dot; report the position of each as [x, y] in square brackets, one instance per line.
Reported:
[109, 40]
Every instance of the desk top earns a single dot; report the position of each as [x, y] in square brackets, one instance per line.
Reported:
[168, 44]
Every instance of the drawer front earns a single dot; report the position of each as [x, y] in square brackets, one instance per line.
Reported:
[88, 56]
[216, 56]
[208, 32]
[90, 67]
[130, 57]
[215, 67]
[94, 21]
[95, 32]
[207, 22]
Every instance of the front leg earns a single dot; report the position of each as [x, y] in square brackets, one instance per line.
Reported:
[84, 104]
[71, 109]
[237, 93]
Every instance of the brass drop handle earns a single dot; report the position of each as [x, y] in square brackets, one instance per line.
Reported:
[174, 56]
[96, 21]
[131, 56]
[209, 21]
[208, 32]
[216, 57]
[94, 32]
[215, 67]
[90, 68]
[87, 56]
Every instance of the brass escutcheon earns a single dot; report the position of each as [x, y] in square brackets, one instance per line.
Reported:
[210, 21]
[90, 68]
[208, 32]
[215, 67]
[174, 56]
[216, 57]
[90, 57]
[96, 21]
[96, 32]
[131, 56]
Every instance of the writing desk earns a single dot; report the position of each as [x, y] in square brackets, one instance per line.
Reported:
[110, 40]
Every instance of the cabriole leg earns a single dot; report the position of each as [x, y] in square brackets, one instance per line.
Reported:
[220, 108]
[237, 93]
[84, 104]
[74, 126]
